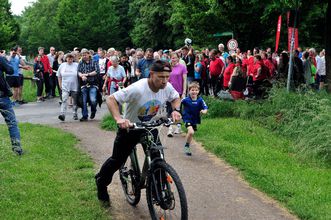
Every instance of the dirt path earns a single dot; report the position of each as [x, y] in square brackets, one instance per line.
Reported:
[214, 189]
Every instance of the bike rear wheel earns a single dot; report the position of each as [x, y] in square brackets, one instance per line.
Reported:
[130, 178]
[165, 193]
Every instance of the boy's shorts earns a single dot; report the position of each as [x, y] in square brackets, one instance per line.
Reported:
[323, 78]
[21, 79]
[188, 124]
[13, 81]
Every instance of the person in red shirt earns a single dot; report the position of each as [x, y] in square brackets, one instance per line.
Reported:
[260, 72]
[216, 69]
[47, 71]
[228, 72]
[268, 63]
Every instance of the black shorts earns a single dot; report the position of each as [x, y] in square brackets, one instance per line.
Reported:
[188, 124]
[323, 78]
[13, 81]
[21, 79]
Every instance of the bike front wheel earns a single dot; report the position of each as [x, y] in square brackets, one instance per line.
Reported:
[130, 179]
[165, 193]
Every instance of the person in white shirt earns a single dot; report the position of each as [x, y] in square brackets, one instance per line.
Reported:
[144, 100]
[68, 81]
[321, 71]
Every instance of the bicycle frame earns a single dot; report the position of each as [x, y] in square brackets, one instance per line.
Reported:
[149, 143]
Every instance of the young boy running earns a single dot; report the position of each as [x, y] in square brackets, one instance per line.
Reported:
[192, 107]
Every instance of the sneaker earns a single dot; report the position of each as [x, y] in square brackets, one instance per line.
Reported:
[187, 151]
[18, 150]
[22, 102]
[170, 133]
[75, 117]
[62, 117]
[83, 119]
[178, 130]
[39, 100]
[102, 191]
[92, 115]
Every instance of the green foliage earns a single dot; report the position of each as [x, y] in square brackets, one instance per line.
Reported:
[52, 180]
[150, 28]
[38, 26]
[303, 117]
[87, 24]
[9, 29]
[108, 123]
[164, 24]
[266, 163]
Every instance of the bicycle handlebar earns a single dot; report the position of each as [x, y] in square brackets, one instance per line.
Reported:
[151, 124]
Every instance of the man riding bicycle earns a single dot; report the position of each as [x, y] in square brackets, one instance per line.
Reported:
[144, 99]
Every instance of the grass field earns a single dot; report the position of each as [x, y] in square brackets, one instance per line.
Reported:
[52, 180]
[267, 163]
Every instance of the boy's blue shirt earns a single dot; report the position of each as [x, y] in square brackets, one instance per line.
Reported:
[191, 110]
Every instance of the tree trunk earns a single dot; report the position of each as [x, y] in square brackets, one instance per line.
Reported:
[328, 47]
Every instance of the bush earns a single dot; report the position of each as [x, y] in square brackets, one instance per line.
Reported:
[303, 117]
[108, 123]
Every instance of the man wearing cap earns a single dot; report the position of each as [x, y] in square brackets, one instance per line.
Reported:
[6, 108]
[88, 72]
[47, 71]
[144, 100]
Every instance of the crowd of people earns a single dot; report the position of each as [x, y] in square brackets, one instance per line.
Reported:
[84, 78]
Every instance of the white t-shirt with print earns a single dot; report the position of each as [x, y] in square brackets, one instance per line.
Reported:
[68, 73]
[142, 103]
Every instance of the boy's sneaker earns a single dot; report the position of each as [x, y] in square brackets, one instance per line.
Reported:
[62, 117]
[170, 133]
[187, 151]
[18, 150]
[75, 117]
[178, 129]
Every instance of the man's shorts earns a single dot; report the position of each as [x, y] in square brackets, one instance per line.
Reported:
[21, 81]
[13, 81]
[188, 124]
[323, 78]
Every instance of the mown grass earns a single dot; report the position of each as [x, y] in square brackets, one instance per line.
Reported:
[29, 88]
[52, 180]
[264, 160]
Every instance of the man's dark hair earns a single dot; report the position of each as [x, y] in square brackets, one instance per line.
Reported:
[14, 48]
[160, 66]
[149, 50]
[214, 51]
[185, 48]
[258, 57]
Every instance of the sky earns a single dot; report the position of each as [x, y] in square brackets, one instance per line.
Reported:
[17, 6]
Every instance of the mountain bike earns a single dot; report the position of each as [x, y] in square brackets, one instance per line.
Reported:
[165, 193]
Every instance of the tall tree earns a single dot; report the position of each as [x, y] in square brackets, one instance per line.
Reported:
[38, 26]
[9, 29]
[150, 24]
[87, 24]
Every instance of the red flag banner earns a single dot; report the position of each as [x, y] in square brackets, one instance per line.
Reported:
[279, 25]
[296, 38]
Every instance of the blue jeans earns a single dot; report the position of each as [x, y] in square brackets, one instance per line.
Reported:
[89, 94]
[8, 113]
